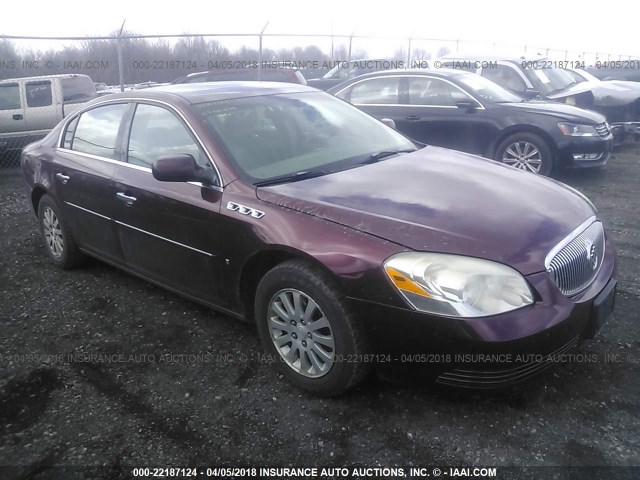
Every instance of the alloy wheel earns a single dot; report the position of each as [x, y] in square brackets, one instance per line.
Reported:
[301, 333]
[524, 156]
[53, 232]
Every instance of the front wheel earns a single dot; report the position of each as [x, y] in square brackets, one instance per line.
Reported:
[526, 151]
[305, 324]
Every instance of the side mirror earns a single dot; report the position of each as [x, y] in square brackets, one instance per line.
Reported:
[530, 93]
[467, 105]
[181, 168]
[389, 122]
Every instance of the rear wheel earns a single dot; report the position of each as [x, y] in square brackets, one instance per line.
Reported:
[58, 241]
[305, 324]
[526, 151]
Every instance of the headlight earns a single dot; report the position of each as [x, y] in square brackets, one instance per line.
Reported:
[577, 130]
[457, 286]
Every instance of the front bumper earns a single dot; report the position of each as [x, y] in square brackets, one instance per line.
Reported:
[486, 352]
[572, 149]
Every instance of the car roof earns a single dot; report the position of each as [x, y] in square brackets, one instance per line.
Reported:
[213, 91]
[437, 72]
[492, 57]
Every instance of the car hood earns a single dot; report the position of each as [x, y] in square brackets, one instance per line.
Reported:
[605, 94]
[555, 109]
[444, 201]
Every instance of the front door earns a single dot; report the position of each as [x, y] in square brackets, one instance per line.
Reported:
[169, 231]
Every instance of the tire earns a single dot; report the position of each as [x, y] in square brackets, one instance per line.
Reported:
[541, 159]
[56, 235]
[340, 368]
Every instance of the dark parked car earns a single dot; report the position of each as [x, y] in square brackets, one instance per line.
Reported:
[626, 70]
[346, 245]
[463, 111]
[287, 75]
[346, 70]
[538, 77]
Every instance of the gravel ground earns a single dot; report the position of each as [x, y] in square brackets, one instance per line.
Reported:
[228, 406]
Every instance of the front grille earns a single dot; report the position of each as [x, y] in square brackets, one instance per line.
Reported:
[575, 262]
[603, 129]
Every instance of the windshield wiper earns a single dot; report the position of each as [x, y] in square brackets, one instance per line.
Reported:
[302, 175]
[375, 157]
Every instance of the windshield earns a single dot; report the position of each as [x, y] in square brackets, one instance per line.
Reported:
[78, 89]
[274, 136]
[549, 80]
[338, 72]
[487, 90]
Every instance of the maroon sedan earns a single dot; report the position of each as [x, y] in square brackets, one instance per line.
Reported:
[348, 246]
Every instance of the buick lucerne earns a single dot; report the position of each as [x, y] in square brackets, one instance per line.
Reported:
[349, 247]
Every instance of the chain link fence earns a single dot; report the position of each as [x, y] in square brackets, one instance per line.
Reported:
[31, 103]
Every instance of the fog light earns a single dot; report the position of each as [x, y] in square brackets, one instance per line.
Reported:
[587, 156]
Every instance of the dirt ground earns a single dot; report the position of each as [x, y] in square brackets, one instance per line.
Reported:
[186, 386]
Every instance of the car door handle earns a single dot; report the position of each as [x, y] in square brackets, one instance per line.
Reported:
[18, 116]
[412, 117]
[126, 198]
[62, 177]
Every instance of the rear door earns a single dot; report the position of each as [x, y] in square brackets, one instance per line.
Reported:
[169, 231]
[84, 165]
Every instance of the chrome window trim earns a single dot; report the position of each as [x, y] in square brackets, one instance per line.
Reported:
[88, 211]
[567, 240]
[131, 165]
[139, 100]
[164, 238]
[103, 159]
[400, 75]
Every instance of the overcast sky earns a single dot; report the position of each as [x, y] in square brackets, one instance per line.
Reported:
[573, 25]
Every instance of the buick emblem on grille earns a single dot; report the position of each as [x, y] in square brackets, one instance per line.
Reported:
[592, 254]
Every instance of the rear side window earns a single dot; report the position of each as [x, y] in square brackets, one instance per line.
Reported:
[38, 94]
[156, 132]
[78, 89]
[376, 91]
[68, 134]
[97, 131]
[9, 96]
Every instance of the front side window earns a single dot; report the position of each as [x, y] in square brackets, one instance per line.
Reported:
[375, 91]
[434, 92]
[38, 94]
[156, 132]
[97, 131]
[10, 96]
[485, 89]
[273, 136]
